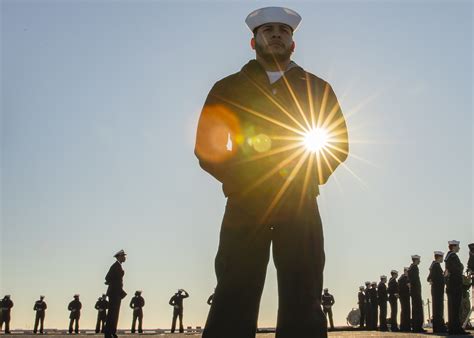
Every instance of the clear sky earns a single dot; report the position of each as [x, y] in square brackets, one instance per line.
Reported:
[100, 101]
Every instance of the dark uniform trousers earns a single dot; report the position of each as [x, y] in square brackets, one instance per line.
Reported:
[112, 316]
[101, 316]
[383, 315]
[137, 314]
[74, 321]
[39, 319]
[405, 313]
[454, 308]
[393, 312]
[416, 310]
[5, 319]
[241, 263]
[177, 314]
[437, 295]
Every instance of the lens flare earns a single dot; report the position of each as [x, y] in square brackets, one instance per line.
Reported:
[316, 139]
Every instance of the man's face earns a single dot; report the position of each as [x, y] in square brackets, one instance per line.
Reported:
[122, 258]
[274, 41]
[439, 259]
[456, 248]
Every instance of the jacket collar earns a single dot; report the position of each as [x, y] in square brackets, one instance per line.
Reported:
[255, 70]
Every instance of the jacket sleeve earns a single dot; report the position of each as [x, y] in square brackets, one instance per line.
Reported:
[337, 149]
[216, 128]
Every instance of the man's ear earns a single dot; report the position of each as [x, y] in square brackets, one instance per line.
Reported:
[252, 43]
[292, 48]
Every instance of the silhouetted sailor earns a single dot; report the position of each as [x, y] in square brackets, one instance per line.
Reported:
[327, 300]
[75, 308]
[415, 295]
[368, 308]
[437, 281]
[137, 303]
[405, 308]
[40, 308]
[243, 140]
[101, 306]
[454, 285]
[115, 292]
[393, 295]
[6, 305]
[470, 263]
[374, 306]
[383, 298]
[362, 306]
[177, 302]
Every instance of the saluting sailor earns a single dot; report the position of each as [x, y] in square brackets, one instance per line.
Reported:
[252, 135]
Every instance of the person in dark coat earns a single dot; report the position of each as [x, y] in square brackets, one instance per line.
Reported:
[327, 300]
[454, 286]
[101, 306]
[6, 305]
[115, 292]
[362, 306]
[415, 295]
[177, 302]
[40, 308]
[368, 307]
[137, 303]
[470, 263]
[383, 298]
[74, 307]
[437, 281]
[393, 295]
[374, 306]
[405, 308]
[244, 140]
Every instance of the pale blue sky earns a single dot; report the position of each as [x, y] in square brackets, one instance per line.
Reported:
[100, 101]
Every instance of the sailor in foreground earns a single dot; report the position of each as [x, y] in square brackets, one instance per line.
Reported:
[115, 292]
[177, 302]
[362, 307]
[368, 308]
[383, 298]
[137, 303]
[263, 133]
[328, 301]
[454, 285]
[393, 295]
[75, 307]
[101, 306]
[40, 308]
[415, 294]
[405, 308]
[437, 281]
[374, 306]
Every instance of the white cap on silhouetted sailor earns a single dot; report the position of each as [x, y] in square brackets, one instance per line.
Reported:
[273, 14]
[438, 253]
[361, 288]
[454, 242]
[394, 271]
[383, 277]
[415, 257]
[76, 295]
[367, 283]
[120, 253]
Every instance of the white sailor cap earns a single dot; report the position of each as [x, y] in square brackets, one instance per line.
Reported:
[394, 271]
[454, 242]
[361, 287]
[120, 253]
[374, 283]
[383, 277]
[367, 283]
[415, 257]
[273, 14]
[76, 295]
[439, 253]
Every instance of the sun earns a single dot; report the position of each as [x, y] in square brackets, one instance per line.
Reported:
[316, 139]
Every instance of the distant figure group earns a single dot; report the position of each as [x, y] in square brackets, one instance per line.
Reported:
[372, 299]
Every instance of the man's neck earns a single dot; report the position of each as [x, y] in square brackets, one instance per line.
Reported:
[272, 66]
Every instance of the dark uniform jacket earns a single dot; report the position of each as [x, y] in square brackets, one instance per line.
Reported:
[101, 305]
[392, 289]
[177, 300]
[414, 279]
[373, 299]
[114, 279]
[137, 302]
[455, 271]
[327, 300]
[382, 293]
[403, 288]
[247, 109]
[436, 276]
[40, 306]
[5, 305]
[361, 298]
[75, 308]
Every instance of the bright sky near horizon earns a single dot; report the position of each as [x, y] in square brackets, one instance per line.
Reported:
[100, 101]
